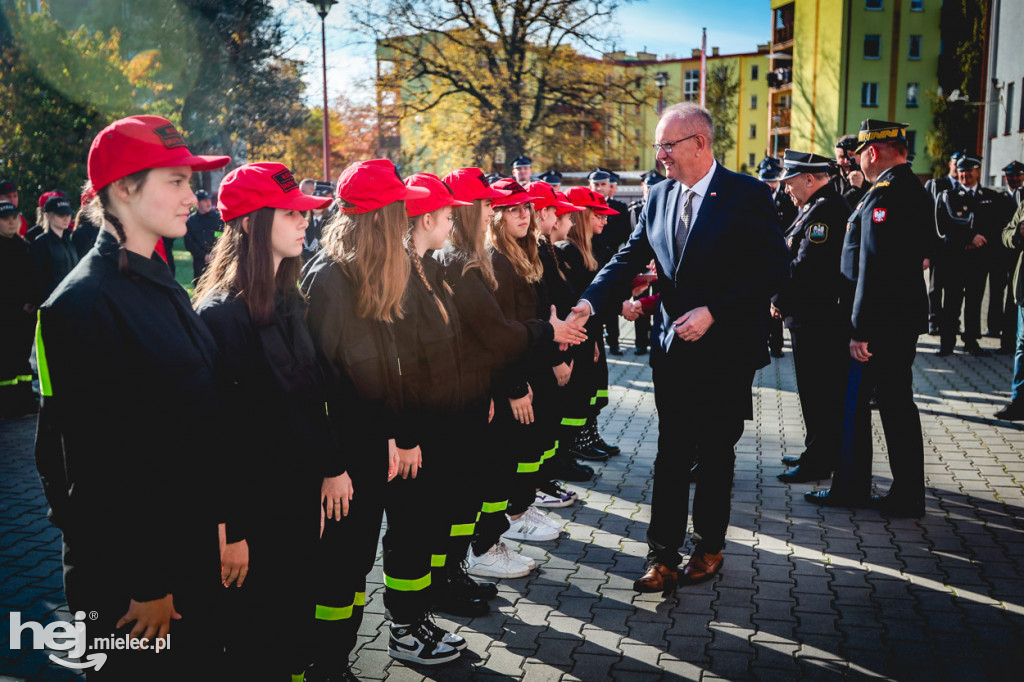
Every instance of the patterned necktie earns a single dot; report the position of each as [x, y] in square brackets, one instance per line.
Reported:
[683, 230]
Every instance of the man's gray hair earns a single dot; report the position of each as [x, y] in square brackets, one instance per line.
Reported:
[693, 116]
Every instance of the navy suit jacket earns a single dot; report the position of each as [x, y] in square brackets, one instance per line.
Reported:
[734, 261]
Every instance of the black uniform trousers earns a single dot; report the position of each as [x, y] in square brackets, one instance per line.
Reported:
[15, 372]
[963, 283]
[775, 340]
[935, 293]
[700, 419]
[888, 374]
[269, 615]
[345, 556]
[821, 360]
[95, 579]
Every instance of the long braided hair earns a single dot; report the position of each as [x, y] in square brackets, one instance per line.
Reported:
[417, 265]
[99, 210]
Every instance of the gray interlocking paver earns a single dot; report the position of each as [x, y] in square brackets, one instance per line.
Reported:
[806, 592]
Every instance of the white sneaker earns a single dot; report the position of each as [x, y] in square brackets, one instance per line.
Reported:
[554, 497]
[541, 518]
[531, 526]
[522, 558]
[453, 640]
[497, 562]
[418, 644]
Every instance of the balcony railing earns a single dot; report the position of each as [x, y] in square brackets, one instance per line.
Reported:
[780, 77]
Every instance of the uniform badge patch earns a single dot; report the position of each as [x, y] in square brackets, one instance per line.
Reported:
[817, 233]
[285, 180]
[884, 183]
[878, 215]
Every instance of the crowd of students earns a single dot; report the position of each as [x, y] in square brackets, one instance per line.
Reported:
[419, 360]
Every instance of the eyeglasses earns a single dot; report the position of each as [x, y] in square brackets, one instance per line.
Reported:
[667, 146]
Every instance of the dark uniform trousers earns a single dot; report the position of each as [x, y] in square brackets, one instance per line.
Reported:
[820, 358]
[962, 283]
[889, 372]
[699, 428]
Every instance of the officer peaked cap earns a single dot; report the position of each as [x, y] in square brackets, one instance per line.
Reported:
[1013, 168]
[794, 163]
[522, 162]
[968, 162]
[879, 131]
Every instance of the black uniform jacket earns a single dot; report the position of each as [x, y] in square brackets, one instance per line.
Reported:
[274, 394]
[580, 278]
[815, 242]
[16, 284]
[937, 186]
[361, 363]
[490, 340]
[888, 237]
[201, 232]
[960, 215]
[614, 235]
[53, 258]
[785, 206]
[120, 356]
[84, 236]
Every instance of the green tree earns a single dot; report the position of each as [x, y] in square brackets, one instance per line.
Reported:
[722, 90]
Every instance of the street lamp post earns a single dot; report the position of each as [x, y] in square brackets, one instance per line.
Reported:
[322, 8]
[661, 78]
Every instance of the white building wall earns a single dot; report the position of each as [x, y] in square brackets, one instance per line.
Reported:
[1004, 110]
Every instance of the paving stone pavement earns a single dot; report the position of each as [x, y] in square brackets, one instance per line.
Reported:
[805, 593]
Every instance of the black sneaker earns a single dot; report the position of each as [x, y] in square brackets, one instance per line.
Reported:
[1012, 412]
[419, 643]
[456, 641]
[459, 580]
[571, 471]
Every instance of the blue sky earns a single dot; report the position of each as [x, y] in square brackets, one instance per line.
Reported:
[665, 27]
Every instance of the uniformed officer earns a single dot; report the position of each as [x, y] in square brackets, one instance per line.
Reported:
[1014, 174]
[808, 304]
[553, 178]
[522, 169]
[17, 316]
[202, 229]
[935, 187]
[850, 182]
[969, 220]
[642, 324]
[884, 292]
[606, 244]
[769, 171]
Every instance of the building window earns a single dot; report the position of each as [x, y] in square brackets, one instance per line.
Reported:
[752, 159]
[912, 90]
[753, 130]
[873, 4]
[1009, 108]
[911, 142]
[753, 72]
[916, 5]
[872, 46]
[691, 85]
[869, 95]
[753, 101]
[915, 48]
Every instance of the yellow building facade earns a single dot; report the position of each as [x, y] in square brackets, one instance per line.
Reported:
[834, 63]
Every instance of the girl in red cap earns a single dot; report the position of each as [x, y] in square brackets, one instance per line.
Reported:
[490, 341]
[355, 288]
[590, 392]
[118, 345]
[274, 393]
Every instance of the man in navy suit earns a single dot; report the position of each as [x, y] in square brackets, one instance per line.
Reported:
[716, 241]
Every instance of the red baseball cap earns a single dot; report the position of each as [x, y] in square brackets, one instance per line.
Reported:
[583, 197]
[544, 195]
[470, 184]
[572, 207]
[514, 193]
[263, 185]
[138, 143]
[369, 185]
[440, 195]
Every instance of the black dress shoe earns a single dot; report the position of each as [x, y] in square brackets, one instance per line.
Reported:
[588, 453]
[614, 350]
[792, 460]
[976, 350]
[777, 353]
[825, 498]
[802, 473]
[602, 445]
[1005, 351]
[897, 506]
[1012, 412]
[571, 471]
[640, 351]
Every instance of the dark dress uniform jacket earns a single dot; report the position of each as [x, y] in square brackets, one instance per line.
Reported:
[202, 230]
[888, 237]
[53, 258]
[119, 354]
[84, 236]
[815, 242]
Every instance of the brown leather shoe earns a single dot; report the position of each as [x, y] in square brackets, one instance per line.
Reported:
[658, 578]
[702, 566]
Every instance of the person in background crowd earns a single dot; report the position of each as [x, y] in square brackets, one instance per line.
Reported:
[317, 219]
[808, 304]
[887, 240]
[642, 322]
[37, 229]
[610, 239]
[86, 231]
[1013, 173]
[53, 255]
[1013, 238]
[9, 193]
[273, 393]
[522, 169]
[118, 344]
[935, 187]
[769, 171]
[307, 185]
[850, 181]
[719, 253]
[17, 308]
[553, 178]
[204, 227]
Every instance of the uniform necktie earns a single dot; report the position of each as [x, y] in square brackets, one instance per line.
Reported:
[683, 230]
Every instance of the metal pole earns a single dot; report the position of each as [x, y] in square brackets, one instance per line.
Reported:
[327, 144]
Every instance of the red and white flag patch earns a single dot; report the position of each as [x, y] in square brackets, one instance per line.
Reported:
[878, 215]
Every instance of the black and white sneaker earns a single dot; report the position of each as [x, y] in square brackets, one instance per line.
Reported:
[457, 642]
[417, 643]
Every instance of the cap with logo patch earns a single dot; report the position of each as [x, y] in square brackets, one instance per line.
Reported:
[470, 184]
[138, 143]
[254, 186]
[440, 195]
[368, 185]
[879, 131]
[57, 205]
[7, 209]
